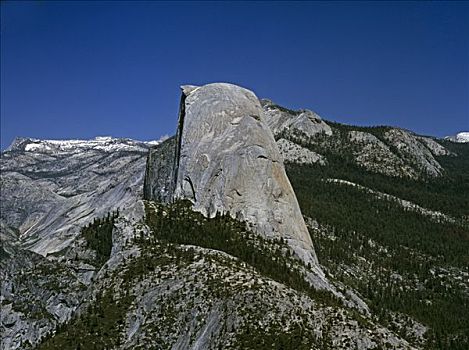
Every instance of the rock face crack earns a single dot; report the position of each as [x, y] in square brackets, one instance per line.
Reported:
[182, 112]
[189, 181]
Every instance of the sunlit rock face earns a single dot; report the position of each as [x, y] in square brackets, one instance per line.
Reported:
[303, 123]
[52, 188]
[226, 160]
[419, 152]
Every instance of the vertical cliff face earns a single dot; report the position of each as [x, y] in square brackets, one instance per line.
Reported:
[225, 159]
[159, 174]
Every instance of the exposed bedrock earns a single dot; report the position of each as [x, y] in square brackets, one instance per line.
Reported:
[225, 159]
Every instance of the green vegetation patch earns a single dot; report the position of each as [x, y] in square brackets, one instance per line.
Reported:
[98, 328]
[98, 236]
[178, 223]
[399, 260]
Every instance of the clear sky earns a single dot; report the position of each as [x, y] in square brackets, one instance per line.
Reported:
[85, 69]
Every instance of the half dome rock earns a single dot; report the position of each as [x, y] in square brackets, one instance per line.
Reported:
[225, 159]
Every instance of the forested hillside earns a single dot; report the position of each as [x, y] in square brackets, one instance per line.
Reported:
[402, 243]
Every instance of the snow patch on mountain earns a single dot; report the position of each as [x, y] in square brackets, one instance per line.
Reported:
[52, 188]
[462, 137]
[102, 143]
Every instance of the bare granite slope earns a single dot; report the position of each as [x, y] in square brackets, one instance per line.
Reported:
[226, 160]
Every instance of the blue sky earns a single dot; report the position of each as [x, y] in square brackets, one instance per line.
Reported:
[83, 69]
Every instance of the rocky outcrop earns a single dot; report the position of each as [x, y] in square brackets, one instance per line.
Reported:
[303, 122]
[293, 153]
[226, 161]
[409, 146]
[434, 147]
[374, 155]
[35, 294]
[396, 152]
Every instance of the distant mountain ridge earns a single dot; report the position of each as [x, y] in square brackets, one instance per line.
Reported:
[103, 143]
[52, 187]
